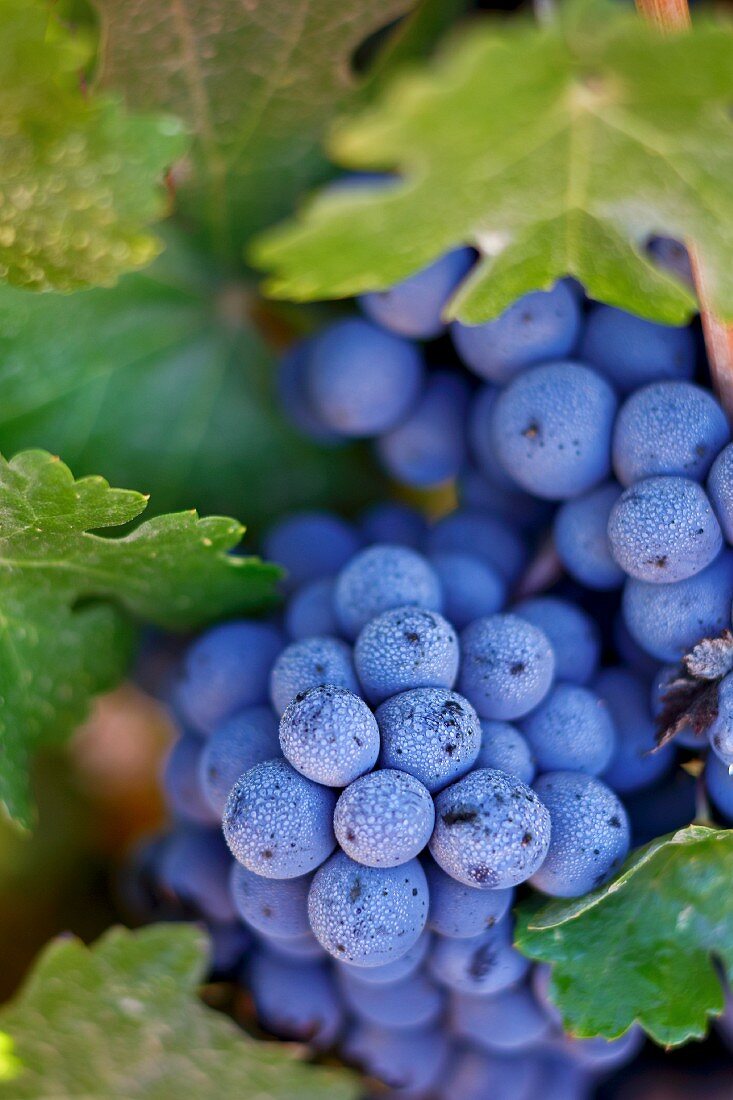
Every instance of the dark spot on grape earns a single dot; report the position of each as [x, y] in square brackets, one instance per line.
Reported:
[532, 430]
[267, 854]
[614, 822]
[449, 750]
[350, 834]
[481, 962]
[527, 839]
[355, 891]
[483, 874]
[459, 816]
[517, 668]
[412, 637]
[414, 892]
[340, 947]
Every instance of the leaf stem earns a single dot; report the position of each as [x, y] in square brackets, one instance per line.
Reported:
[674, 15]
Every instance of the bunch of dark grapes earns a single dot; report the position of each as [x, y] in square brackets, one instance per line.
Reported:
[363, 783]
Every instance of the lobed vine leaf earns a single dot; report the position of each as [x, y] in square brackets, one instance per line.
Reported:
[649, 940]
[63, 586]
[257, 84]
[122, 1019]
[80, 178]
[553, 150]
[163, 382]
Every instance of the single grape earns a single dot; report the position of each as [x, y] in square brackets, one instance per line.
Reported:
[551, 428]
[572, 633]
[667, 620]
[590, 834]
[504, 748]
[304, 947]
[509, 1021]
[459, 911]
[719, 785]
[720, 490]
[581, 539]
[230, 943]
[273, 907]
[292, 391]
[362, 380]
[405, 648]
[329, 734]
[225, 670]
[484, 964]
[236, 746]
[483, 536]
[367, 916]
[571, 730]
[393, 971]
[182, 787]
[663, 530]
[384, 819]
[409, 1003]
[194, 868]
[471, 587]
[541, 325]
[414, 307]
[600, 1055]
[507, 666]
[310, 611]
[311, 662]
[410, 1062]
[390, 522]
[429, 446]
[311, 545]
[720, 730]
[670, 428]
[381, 578]
[633, 765]
[491, 831]
[295, 1000]
[432, 733]
[277, 823]
[632, 352]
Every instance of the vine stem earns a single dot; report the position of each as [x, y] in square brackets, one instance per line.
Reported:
[674, 15]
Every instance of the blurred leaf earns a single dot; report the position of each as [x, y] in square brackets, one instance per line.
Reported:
[58, 643]
[643, 947]
[163, 383]
[256, 82]
[122, 1020]
[554, 150]
[80, 178]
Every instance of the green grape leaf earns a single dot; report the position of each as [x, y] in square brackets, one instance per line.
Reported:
[122, 1019]
[643, 948]
[256, 82]
[80, 178]
[62, 585]
[163, 382]
[554, 150]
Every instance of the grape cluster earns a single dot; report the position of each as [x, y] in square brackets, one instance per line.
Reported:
[363, 783]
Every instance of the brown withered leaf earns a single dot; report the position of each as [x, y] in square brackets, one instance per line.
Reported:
[691, 698]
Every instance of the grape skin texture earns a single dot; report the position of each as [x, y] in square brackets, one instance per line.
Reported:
[552, 429]
[459, 911]
[668, 619]
[412, 1002]
[471, 588]
[663, 530]
[633, 765]
[590, 834]
[384, 818]
[310, 611]
[362, 380]
[405, 648]
[491, 831]
[382, 578]
[311, 662]
[236, 746]
[484, 964]
[296, 1001]
[277, 823]
[432, 733]
[367, 916]
[393, 971]
[507, 666]
[510, 1021]
[571, 730]
[720, 490]
[720, 731]
[329, 734]
[541, 325]
[668, 428]
[428, 447]
[632, 352]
